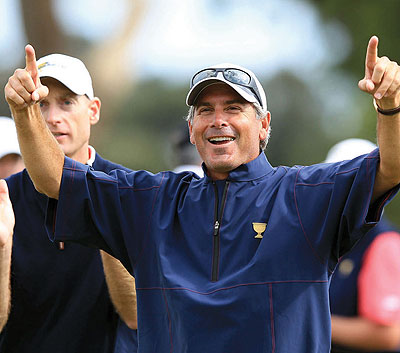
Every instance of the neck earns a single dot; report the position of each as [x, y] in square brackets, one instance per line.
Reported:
[81, 156]
[217, 175]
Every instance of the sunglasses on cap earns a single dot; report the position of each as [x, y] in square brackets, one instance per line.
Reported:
[235, 76]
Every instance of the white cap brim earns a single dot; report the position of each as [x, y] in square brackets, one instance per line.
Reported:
[66, 80]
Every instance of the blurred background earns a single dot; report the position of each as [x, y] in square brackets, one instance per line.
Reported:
[309, 55]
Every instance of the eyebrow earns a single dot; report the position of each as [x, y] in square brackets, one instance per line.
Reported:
[70, 95]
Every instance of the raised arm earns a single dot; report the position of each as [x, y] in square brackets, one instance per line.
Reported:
[122, 289]
[382, 81]
[42, 155]
[6, 231]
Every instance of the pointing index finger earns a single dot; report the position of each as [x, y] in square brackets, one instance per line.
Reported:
[372, 56]
[31, 66]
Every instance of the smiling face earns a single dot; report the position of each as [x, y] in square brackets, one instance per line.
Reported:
[69, 118]
[225, 130]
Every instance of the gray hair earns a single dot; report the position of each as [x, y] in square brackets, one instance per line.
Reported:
[260, 114]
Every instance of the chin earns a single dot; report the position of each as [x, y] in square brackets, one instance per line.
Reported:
[223, 166]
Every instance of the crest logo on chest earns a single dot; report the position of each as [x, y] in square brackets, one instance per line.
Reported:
[259, 228]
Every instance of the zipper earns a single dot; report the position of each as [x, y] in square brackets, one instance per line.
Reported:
[218, 211]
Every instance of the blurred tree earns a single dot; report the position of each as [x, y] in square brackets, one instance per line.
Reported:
[362, 19]
[106, 60]
[146, 118]
[42, 28]
[296, 136]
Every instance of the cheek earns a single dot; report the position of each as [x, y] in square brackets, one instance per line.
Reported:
[191, 137]
[82, 123]
[195, 133]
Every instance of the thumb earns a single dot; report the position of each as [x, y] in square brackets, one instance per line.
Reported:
[366, 85]
[3, 189]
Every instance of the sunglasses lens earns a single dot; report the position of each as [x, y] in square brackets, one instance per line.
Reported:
[237, 76]
[203, 75]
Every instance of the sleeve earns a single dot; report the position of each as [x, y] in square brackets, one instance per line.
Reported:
[359, 215]
[333, 203]
[108, 211]
[379, 280]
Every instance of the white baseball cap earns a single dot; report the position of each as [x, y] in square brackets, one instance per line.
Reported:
[70, 71]
[8, 137]
[242, 80]
[349, 149]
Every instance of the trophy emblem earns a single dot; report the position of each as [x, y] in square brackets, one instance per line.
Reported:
[259, 228]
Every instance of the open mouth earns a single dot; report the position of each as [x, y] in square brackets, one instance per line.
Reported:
[58, 134]
[220, 140]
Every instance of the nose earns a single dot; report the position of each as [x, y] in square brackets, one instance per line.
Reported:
[52, 115]
[220, 119]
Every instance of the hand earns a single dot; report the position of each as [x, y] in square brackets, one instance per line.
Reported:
[23, 87]
[382, 77]
[6, 215]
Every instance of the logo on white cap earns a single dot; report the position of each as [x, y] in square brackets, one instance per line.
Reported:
[70, 71]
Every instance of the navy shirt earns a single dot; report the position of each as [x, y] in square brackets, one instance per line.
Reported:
[60, 300]
[237, 265]
[126, 340]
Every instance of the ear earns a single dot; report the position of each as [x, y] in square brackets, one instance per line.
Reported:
[190, 126]
[265, 126]
[94, 111]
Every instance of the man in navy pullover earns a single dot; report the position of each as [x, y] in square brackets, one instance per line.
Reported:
[59, 296]
[239, 260]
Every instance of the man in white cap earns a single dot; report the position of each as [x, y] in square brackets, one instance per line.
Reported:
[236, 261]
[365, 289]
[10, 163]
[59, 298]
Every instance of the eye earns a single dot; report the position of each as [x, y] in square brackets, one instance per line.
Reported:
[43, 104]
[204, 110]
[67, 102]
[233, 108]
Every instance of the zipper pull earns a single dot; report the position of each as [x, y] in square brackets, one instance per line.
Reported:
[216, 228]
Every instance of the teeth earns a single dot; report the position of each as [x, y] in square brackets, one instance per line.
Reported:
[222, 138]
